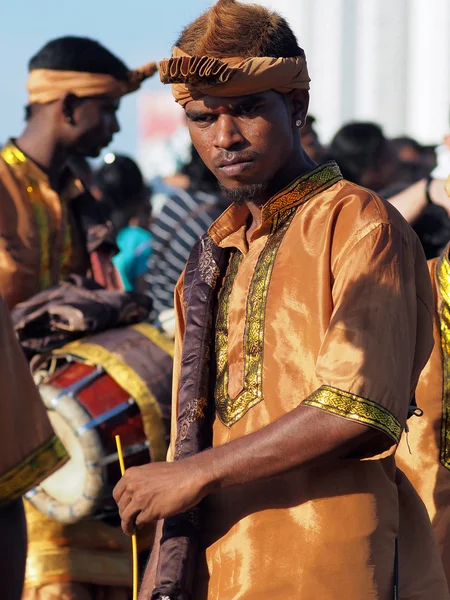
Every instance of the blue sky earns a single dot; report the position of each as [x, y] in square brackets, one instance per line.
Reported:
[136, 30]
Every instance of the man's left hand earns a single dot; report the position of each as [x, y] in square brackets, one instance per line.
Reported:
[157, 491]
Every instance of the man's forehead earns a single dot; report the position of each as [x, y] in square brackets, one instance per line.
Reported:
[222, 103]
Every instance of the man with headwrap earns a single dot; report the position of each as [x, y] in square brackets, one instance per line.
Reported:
[303, 322]
[49, 225]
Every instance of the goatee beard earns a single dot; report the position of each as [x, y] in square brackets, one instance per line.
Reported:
[245, 193]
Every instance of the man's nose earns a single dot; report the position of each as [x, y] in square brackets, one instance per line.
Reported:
[227, 133]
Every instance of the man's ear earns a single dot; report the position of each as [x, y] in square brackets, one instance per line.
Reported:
[68, 105]
[300, 103]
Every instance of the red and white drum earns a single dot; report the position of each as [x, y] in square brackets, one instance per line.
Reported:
[113, 383]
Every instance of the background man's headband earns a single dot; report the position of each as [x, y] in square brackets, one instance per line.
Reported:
[48, 85]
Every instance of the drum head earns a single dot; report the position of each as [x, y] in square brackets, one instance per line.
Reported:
[74, 491]
[66, 485]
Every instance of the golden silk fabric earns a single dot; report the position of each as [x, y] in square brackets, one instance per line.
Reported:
[329, 303]
[72, 590]
[89, 551]
[29, 450]
[48, 85]
[195, 76]
[39, 240]
[424, 454]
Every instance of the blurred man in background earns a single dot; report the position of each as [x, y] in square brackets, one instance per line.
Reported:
[365, 156]
[49, 225]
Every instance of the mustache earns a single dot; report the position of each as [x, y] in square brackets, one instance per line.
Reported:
[229, 158]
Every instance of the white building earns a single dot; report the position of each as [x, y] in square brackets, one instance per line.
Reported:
[382, 60]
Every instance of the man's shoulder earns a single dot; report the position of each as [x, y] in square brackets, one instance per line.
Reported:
[355, 211]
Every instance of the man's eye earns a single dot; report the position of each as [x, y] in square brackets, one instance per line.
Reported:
[248, 110]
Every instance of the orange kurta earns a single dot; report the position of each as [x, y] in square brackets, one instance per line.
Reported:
[328, 304]
[39, 240]
[424, 455]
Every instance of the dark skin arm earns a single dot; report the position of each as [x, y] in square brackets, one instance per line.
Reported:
[304, 437]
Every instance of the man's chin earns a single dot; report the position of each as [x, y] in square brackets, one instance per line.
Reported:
[240, 194]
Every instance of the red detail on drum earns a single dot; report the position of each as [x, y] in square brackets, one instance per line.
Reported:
[100, 396]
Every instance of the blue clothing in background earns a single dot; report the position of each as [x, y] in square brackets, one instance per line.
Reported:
[135, 248]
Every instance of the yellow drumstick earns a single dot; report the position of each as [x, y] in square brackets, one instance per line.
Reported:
[133, 537]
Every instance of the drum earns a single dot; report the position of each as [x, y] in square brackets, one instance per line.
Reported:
[113, 383]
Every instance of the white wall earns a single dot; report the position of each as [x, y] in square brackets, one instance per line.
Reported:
[381, 60]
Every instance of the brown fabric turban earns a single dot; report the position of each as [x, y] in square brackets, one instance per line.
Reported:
[195, 76]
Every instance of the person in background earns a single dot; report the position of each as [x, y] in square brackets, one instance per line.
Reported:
[123, 189]
[49, 224]
[424, 456]
[366, 157]
[185, 217]
[426, 205]
[408, 150]
[311, 142]
[52, 226]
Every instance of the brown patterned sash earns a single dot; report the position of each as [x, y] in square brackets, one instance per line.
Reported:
[179, 544]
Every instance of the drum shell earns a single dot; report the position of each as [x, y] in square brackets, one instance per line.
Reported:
[144, 357]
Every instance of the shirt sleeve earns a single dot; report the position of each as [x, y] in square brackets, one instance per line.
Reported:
[380, 332]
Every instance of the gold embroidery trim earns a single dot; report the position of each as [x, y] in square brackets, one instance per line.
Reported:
[130, 381]
[443, 284]
[32, 470]
[281, 210]
[155, 336]
[18, 161]
[302, 189]
[355, 408]
[230, 410]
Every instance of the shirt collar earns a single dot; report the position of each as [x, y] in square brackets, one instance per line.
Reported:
[16, 159]
[229, 230]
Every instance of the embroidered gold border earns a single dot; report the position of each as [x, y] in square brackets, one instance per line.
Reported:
[155, 336]
[32, 470]
[443, 284]
[356, 408]
[302, 189]
[230, 410]
[16, 159]
[130, 381]
[281, 209]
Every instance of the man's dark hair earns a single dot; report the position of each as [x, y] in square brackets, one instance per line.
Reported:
[81, 54]
[400, 142]
[357, 147]
[231, 28]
